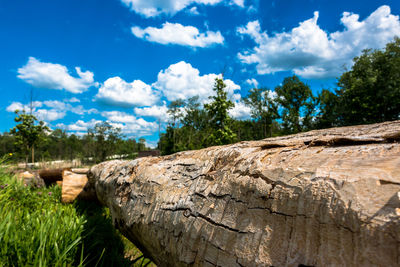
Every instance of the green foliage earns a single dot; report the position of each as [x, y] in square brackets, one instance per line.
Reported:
[175, 111]
[264, 110]
[297, 103]
[37, 230]
[370, 91]
[328, 104]
[27, 132]
[105, 136]
[217, 110]
[59, 145]
[167, 141]
[102, 244]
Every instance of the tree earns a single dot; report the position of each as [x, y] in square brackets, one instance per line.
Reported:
[328, 104]
[105, 137]
[195, 123]
[27, 133]
[142, 144]
[175, 112]
[219, 118]
[264, 109]
[297, 103]
[7, 141]
[370, 91]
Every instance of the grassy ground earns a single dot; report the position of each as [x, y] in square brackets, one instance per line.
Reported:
[36, 229]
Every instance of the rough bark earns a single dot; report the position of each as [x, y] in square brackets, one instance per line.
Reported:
[321, 198]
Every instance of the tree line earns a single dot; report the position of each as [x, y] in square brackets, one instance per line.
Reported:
[30, 140]
[367, 93]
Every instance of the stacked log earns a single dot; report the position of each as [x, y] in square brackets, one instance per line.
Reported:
[74, 183]
[321, 198]
[51, 176]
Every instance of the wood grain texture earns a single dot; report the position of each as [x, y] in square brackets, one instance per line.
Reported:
[322, 198]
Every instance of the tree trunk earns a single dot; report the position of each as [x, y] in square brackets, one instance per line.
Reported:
[321, 198]
[26, 157]
[33, 154]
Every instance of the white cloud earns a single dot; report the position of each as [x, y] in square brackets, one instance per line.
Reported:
[55, 104]
[182, 81]
[49, 114]
[240, 111]
[55, 76]
[158, 112]
[175, 33]
[252, 82]
[58, 105]
[152, 8]
[238, 3]
[151, 144]
[24, 107]
[72, 100]
[41, 114]
[79, 126]
[194, 11]
[57, 109]
[116, 91]
[311, 52]
[129, 124]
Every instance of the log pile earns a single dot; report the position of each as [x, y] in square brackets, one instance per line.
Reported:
[75, 185]
[322, 198]
[74, 182]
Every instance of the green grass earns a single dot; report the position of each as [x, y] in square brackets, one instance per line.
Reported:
[36, 229]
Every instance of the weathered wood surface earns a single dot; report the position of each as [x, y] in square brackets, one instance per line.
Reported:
[321, 198]
[75, 185]
[51, 176]
[80, 170]
[30, 178]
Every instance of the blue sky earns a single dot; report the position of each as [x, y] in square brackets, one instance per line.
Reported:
[123, 61]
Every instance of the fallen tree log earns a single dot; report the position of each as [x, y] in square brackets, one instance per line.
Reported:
[30, 179]
[75, 185]
[80, 170]
[51, 176]
[322, 198]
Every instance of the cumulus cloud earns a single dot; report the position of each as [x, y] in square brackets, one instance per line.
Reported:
[72, 100]
[152, 8]
[24, 107]
[115, 91]
[238, 2]
[41, 114]
[240, 111]
[78, 126]
[55, 76]
[50, 110]
[175, 33]
[252, 82]
[58, 105]
[182, 81]
[158, 112]
[193, 11]
[311, 52]
[129, 124]
[49, 114]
